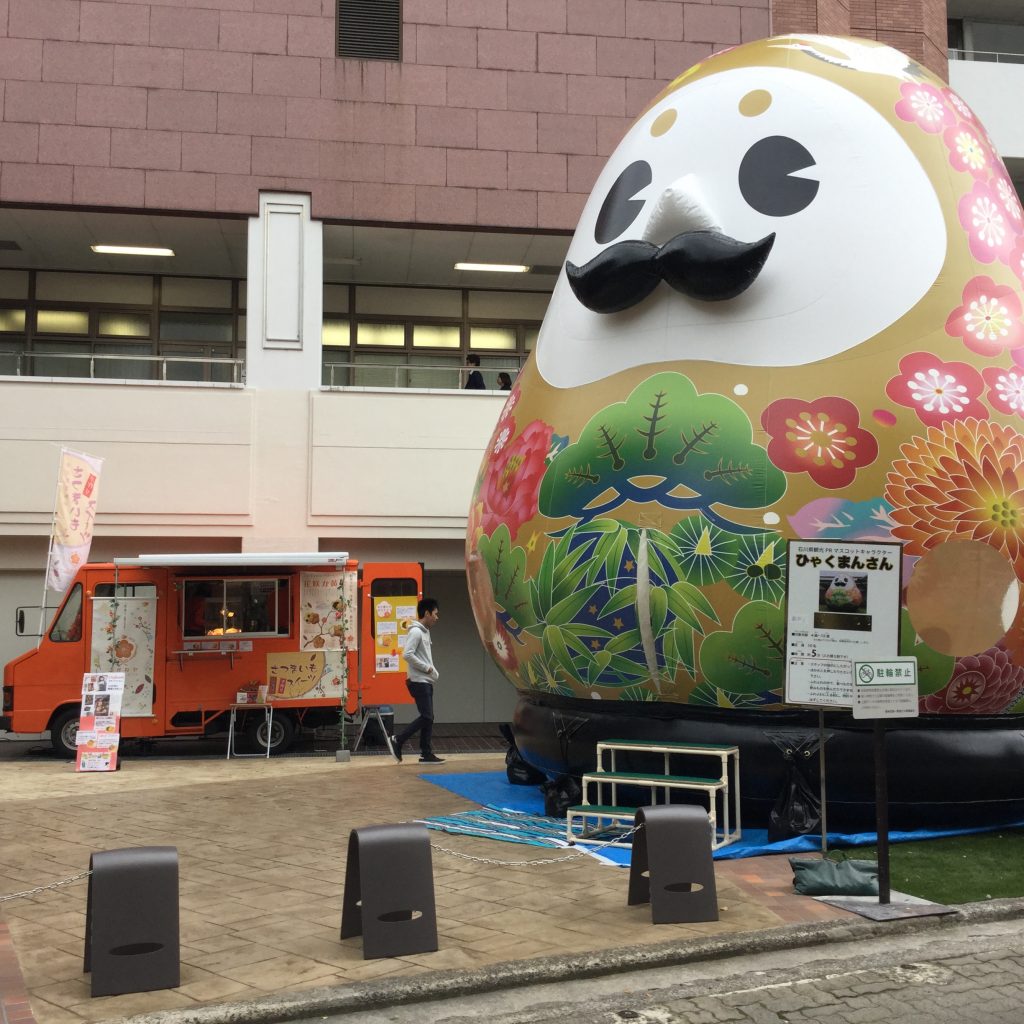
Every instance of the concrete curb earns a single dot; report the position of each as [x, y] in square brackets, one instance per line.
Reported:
[363, 995]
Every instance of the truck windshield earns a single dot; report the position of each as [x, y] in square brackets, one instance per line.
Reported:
[250, 606]
[67, 628]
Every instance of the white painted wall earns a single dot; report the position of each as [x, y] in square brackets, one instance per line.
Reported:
[994, 92]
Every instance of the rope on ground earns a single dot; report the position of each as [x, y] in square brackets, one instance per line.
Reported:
[44, 888]
[545, 860]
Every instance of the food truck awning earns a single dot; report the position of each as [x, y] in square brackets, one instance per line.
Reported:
[234, 559]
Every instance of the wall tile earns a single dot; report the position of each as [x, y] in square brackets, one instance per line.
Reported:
[506, 208]
[377, 201]
[441, 126]
[507, 129]
[40, 102]
[597, 17]
[474, 87]
[116, 106]
[354, 161]
[545, 172]
[35, 183]
[592, 94]
[415, 165]
[22, 58]
[19, 142]
[566, 133]
[250, 115]
[414, 83]
[102, 22]
[311, 37]
[285, 76]
[131, 147]
[72, 144]
[479, 13]
[156, 66]
[175, 110]
[109, 186]
[575, 55]
[43, 19]
[475, 168]
[654, 19]
[540, 92]
[218, 154]
[328, 120]
[179, 190]
[179, 26]
[445, 205]
[537, 15]
[299, 157]
[450, 47]
[628, 58]
[253, 33]
[213, 71]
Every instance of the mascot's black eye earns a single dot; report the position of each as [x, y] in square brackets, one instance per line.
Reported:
[766, 177]
[619, 208]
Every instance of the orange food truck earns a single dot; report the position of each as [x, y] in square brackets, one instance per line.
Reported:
[196, 634]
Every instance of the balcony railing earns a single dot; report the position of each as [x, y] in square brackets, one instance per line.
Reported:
[988, 56]
[103, 366]
[407, 375]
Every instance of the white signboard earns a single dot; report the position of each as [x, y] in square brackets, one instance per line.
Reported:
[885, 689]
[842, 606]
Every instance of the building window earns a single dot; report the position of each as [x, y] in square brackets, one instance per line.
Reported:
[370, 29]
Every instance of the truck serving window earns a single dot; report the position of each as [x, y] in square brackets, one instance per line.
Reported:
[68, 627]
[251, 606]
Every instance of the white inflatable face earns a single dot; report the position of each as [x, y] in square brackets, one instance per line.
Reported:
[859, 233]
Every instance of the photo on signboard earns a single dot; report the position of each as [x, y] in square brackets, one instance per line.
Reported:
[842, 601]
[103, 704]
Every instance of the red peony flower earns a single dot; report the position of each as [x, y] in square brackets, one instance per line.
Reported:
[989, 319]
[937, 391]
[982, 684]
[822, 438]
[512, 482]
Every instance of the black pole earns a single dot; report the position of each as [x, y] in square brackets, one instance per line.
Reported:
[881, 812]
[821, 781]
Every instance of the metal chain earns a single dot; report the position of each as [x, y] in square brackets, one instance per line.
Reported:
[44, 888]
[546, 860]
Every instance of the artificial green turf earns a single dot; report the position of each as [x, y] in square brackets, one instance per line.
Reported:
[956, 869]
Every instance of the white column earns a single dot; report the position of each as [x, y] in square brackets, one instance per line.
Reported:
[285, 295]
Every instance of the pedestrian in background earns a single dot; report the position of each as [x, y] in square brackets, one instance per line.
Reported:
[420, 682]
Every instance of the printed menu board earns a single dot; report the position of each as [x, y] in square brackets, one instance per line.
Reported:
[392, 617]
[99, 723]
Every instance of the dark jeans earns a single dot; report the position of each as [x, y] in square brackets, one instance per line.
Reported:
[423, 694]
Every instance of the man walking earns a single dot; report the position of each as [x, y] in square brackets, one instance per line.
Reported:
[420, 682]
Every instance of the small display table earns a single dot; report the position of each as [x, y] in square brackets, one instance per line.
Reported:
[268, 717]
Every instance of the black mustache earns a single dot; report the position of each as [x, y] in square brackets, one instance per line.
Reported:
[704, 265]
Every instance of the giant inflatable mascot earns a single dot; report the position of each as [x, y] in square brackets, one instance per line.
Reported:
[792, 308]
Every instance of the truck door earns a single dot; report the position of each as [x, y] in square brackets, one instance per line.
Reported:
[390, 591]
[123, 638]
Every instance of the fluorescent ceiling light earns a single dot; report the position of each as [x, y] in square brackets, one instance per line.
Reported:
[495, 268]
[131, 250]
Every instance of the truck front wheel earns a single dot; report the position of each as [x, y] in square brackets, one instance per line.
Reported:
[282, 732]
[64, 731]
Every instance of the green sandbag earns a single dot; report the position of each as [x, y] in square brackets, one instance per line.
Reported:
[814, 877]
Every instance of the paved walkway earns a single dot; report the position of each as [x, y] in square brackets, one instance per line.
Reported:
[262, 847]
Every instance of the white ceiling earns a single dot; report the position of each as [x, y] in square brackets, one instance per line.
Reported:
[216, 247]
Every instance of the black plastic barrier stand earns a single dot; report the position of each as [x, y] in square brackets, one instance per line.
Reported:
[389, 891]
[671, 865]
[131, 921]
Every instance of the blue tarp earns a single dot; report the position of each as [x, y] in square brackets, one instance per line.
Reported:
[493, 791]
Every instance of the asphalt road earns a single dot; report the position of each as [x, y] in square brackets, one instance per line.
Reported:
[964, 974]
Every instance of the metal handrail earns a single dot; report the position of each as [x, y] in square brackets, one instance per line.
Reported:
[24, 364]
[986, 56]
[407, 375]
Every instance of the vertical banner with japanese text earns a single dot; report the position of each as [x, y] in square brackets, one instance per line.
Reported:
[99, 722]
[78, 482]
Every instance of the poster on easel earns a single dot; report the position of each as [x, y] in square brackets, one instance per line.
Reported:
[99, 722]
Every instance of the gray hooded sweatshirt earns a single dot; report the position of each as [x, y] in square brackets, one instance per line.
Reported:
[418, 655]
